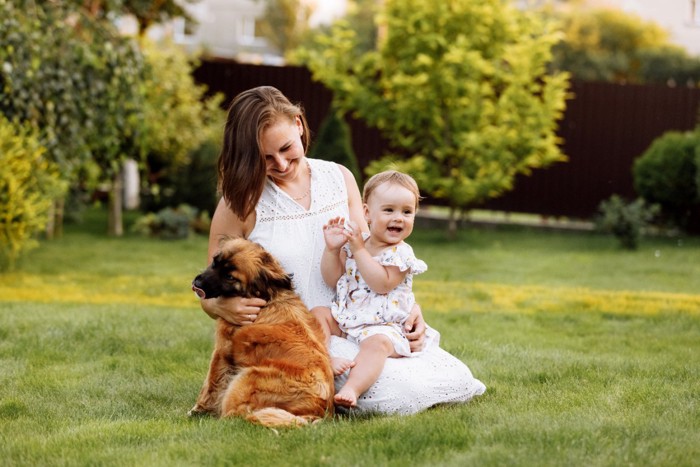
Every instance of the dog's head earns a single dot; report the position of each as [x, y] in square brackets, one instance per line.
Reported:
[242, 269]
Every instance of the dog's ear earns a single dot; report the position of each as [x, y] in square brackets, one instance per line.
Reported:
[271, 278]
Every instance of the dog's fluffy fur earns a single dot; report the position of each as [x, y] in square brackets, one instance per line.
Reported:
[276, 371]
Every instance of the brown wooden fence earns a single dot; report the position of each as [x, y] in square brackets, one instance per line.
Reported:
[605, 127]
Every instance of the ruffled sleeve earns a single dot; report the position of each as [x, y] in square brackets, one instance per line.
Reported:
[402, 256]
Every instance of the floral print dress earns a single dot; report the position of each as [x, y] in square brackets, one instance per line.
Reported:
[362, 313]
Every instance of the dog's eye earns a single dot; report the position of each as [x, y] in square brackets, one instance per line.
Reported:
[229, 277]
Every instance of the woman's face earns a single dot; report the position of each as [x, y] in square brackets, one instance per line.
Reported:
[282, 149]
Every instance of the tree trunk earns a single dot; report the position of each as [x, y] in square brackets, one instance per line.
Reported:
[452, 224]
[115, 224]
[60, 205]
[51, 221]
[54, 219]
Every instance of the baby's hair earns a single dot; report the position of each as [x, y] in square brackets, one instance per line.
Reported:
[391, 176]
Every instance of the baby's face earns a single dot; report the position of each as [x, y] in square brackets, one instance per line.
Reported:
[390, 212]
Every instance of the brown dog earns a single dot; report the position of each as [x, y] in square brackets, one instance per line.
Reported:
[276, 371]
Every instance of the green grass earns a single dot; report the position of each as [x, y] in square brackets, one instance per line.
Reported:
[589, 353]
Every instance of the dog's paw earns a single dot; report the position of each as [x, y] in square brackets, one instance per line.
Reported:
[198, 411]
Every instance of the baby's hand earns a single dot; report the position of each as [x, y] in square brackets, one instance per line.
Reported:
[354, 236]
[335, 233]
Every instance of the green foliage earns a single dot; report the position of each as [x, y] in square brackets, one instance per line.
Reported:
[146, 12]
[359, 17]
[76, 80]
[334, 143]
[625, 221]
[182, 131]
[666, 174]
[458, 88]
[285, 23]
[177, 117]
[172, 223]
[612, 45]
[669, 65]
[193, 183]
[28, 185]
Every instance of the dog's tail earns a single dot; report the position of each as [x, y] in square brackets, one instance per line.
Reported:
[275, 417]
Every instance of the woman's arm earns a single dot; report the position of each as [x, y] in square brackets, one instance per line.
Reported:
[237, 310]
[225, 224]
[354, 200]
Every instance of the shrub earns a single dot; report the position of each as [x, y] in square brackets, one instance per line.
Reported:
[28, 185]
[179, 118]
[666, 175]
[173, 223]
[334, 143]
[193, 184]
[625, 221]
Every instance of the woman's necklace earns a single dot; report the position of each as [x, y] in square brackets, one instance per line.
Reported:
[299, 198]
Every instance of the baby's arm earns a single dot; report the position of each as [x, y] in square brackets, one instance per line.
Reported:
[381, 279]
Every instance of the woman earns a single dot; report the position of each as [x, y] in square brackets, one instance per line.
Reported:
[275, 196]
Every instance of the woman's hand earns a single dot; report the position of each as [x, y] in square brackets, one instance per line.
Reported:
[414, 328]
[238, 311]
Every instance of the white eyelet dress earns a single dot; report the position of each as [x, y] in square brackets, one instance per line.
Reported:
[295, 237]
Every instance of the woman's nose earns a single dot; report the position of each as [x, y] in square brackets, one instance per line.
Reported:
[280, 163]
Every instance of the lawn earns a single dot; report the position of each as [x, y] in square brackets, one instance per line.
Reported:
[589, 353]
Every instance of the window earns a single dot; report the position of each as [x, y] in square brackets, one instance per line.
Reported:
[246, 30]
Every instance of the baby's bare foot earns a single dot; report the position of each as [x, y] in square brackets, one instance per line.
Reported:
[346, 397]
[341, 365]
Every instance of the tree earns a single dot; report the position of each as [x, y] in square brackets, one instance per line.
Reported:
[285, 23]
[611, 45]
[28, 184]
[459, 89]
[146, 12]
[178, 117]
[334, 143]
[77, 82]
[360, 17]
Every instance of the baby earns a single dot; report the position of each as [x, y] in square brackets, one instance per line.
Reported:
[373, 276]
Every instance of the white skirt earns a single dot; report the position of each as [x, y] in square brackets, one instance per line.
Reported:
[410, 385]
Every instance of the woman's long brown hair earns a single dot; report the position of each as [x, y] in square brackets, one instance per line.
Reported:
[241, 164]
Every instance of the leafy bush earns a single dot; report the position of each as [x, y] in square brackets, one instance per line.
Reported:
[28, 185]
[603, 44]
[334, 143]
[193, 184]
[76, 79]
[179, 119]
[625, 221]
[666, 175]
[173, 223]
